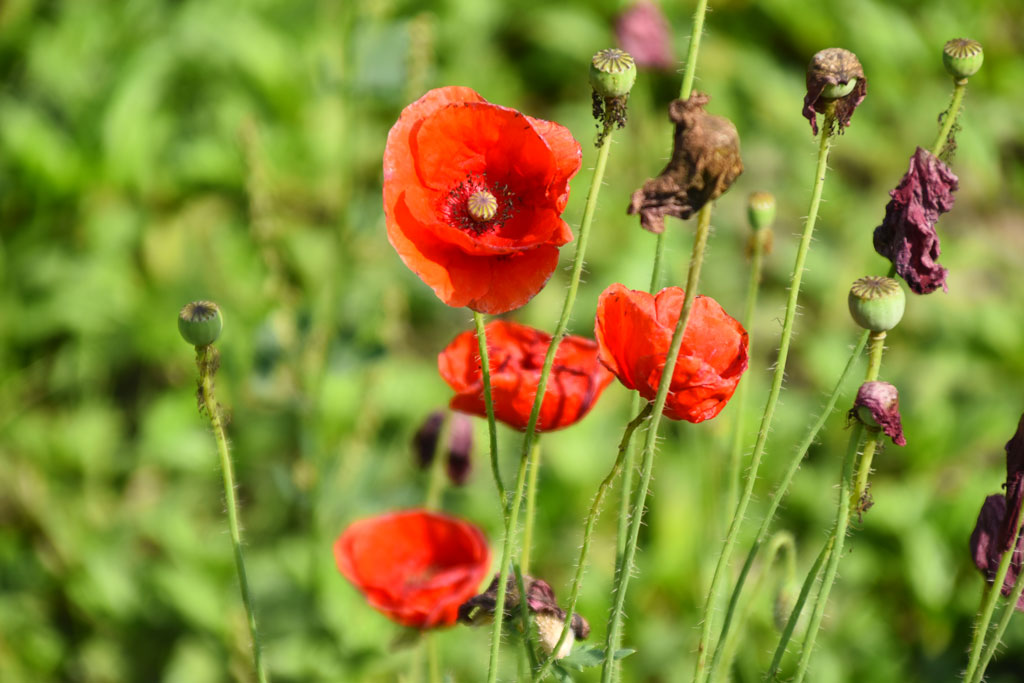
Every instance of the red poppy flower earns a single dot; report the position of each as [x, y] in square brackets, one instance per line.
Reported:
[516, 355]
[473, 197]
[634, 330]
[416, 567]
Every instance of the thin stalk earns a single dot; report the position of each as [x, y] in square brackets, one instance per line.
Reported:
[525, 617]
[798, 608]
[588, 530]
[563, 322]
[951, 116]
[700, 672]
[436, 475]
[1004, 620]
[987, 608]
[783, 488]
[207, 361]
[839, 534]
[433, 658]
[690, 71]
[740, 399]
[626, 566]
[492, 427]
[531, 507]
[864, 467]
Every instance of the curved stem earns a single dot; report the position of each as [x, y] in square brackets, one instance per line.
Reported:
[700, 673]
[988, 605]
[531, 508]
[207, 360]
[780, 493]
[588, 530]
[492, 427]
[1004, 620]
[626, 566]
[951, 116]
[549, 360]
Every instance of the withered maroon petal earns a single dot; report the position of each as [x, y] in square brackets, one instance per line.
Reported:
[1014, 483]
[907, 235]
[986, 549]
[882, 400]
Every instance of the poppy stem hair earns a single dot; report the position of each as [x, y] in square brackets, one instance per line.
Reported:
[948, 118]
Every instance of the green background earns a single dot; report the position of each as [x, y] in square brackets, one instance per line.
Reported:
[153, 152]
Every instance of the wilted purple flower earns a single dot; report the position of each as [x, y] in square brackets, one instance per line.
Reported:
[460, 444]
[986, 548]
[643, 32]
[880, 402]
[540, 599]
[907, 234]
[828, 75]
[1014, 484]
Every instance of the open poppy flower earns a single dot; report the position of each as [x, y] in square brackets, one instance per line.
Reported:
[473, 197]
[516, 355]
[416, 567]
[634, 330]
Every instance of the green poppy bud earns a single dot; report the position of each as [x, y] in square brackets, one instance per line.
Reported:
[877, 303]
[200, 323]
[612, 73]
[962, 57]
[761, 210]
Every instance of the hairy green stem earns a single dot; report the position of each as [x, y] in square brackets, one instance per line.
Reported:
[952, 113]
[700, 672]
[531, 507]
[588, 530]
[864, 467]
[492, 427]
[625, 569]
[570, 298]
[987, 608]
[433, 658]
[1008, 611]
[207, 360]
[690, 71]
[782, 489]
[525, 617]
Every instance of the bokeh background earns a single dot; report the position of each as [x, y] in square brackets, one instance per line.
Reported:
[155, 152]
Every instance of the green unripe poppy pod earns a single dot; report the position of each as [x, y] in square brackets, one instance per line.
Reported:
[877, 303]
[200, 323]
[962, 57]
[612, 73]
[761, 210]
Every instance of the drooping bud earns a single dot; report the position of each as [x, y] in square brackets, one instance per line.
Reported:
[612, 75]
[459, 448]
[836, 79]
[962, 57]
[540, 600]
[761, 210]
[705, 162]
[200, 323]
[877, 303]
[878, 407]
[907, 234]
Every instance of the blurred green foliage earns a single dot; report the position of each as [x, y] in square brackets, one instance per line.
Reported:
[155, 152]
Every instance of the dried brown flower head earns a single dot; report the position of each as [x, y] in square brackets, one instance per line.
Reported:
[705, 162]
[834, 75]
[907, 234]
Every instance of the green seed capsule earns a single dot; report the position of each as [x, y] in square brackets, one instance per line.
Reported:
[761, 210]
[962, 57]
[612, 73]
[877, 303]
[838, 90]
[200, 323]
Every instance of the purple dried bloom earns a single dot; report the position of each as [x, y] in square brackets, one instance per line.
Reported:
[460, 444]
[1014, 484]
[643, 32]
[907, 234]
[829, 71]
[985, 548]
[881, 400]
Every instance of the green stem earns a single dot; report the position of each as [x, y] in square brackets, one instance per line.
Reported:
[952, 113]
[740, 399]
[531, 507]
[525, 617]
[798, 608]
[626, 566]
[1004, 620]
[436, 475]
[570, 298]
[864, 467]
[690, 71]
[782, 489]
[207, 360]
[839, 536]
[433, 658]
[588, 530]
[988, 605]
[700, 673]
[492, 427]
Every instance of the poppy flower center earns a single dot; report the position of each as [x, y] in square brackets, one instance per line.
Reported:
[476, 206]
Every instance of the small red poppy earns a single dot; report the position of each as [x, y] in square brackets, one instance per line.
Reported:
[473, 197]
[516, 355]
[634, 330]
[416, 567]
